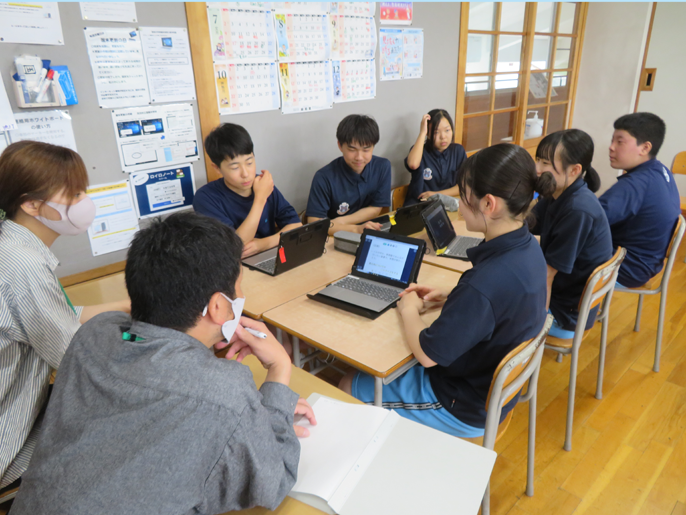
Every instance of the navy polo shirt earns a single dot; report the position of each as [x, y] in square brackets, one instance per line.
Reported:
[337, 190]
[575, 239]
[642, 208]
[216, 200]
[495, 306]
[437, 171]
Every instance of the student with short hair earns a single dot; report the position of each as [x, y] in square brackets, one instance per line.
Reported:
[144, 418]
[575, 235]
[643, 206]
[353, 188]
[497, 305]
[434, 159]
[251, 204]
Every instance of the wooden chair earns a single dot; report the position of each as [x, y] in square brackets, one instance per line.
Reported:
[8, 493]
[520, 366]
[598, 291]
[658, 285]
[398, 196]
[679, 164]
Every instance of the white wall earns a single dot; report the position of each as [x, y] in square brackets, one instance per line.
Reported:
[610, 69]
[667, 53]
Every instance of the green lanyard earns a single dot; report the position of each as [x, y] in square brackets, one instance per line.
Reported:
[129, 337]
[67, 297]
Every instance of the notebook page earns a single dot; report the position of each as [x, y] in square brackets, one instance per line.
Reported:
[341, 435]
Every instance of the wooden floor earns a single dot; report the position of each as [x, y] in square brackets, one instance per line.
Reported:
[629, 449]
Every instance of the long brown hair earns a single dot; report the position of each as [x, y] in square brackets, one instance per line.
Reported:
[32, 170]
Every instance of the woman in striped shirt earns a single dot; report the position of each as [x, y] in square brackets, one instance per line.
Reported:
[42, 196]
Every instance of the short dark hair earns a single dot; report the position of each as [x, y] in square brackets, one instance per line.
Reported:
[576, 147]
[175, 265]
[644, 127]
[436, 116]
[228, 141]
[506, 171]
[358, 128]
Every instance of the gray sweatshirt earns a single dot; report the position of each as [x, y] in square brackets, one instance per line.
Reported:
[159, 426]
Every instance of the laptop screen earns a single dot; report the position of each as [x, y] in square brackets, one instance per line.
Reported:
[386, 258]
[440, 226]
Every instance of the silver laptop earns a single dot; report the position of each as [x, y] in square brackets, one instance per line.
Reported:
[442, 234]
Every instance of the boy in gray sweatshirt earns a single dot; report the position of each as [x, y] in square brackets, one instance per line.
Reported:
[143, 418]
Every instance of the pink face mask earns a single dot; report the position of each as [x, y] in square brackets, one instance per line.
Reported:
[76, 219]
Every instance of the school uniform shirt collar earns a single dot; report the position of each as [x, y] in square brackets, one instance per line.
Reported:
[503, 243]
[568, 192]
[352, 174]
[249, 198]
[20, 235]
[651, 163]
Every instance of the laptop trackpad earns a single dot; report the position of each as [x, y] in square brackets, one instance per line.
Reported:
[352, 297]
[262, 256]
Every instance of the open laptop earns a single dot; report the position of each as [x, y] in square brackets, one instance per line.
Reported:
[406, 220]
[385, 264]
[442, 234]
[296, 247]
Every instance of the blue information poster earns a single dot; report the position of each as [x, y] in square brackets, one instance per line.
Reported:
[163, 191]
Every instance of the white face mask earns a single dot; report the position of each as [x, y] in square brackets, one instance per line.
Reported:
[76, 219]
[229, 327]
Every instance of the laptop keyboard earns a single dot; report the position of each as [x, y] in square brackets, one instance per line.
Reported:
[460, 245]
[370, 289]
[268, 266]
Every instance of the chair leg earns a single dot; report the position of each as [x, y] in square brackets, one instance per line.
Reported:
[559, 357]
[637, 325]
[660, 328]
[486, 503]
[532, 446]
[601, 358]
[570, 400]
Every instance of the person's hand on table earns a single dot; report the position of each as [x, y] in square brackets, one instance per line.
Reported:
[410, 301]
[426, 195]
[368, 225]
[426, 293]
[250, 248]
[303, 408]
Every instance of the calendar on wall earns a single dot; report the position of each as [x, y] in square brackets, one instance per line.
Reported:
[253, 6]
[247, 87]
[302, 37]
[302, 7]
[354, 80]
[352, 37]
[367, 9]
[238, 35]
[305, 86]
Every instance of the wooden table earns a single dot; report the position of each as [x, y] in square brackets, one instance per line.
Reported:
[111, 288]
[377, 347]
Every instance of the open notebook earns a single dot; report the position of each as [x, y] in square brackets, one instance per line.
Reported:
[362, 459]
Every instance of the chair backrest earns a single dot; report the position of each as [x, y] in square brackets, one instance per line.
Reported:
[673, 247]
[514, 370]
[599, 283]
[679, 164]
[398, 196]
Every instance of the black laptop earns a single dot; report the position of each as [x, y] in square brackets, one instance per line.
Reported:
[406, 220]
[385, 264]
[296, 247]
[442, 234]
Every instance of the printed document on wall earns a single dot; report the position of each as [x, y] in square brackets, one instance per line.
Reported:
[354, 80]
[238, 35]
[352, 37]
[168, 64]
[395, 13]
[302, 37]
[47, 126]
[163, 191]
[116, 58]
[247, 87]
[413, 53]
[109, 11]
[7, 120]
[35, 23]
[305, 86]
[391, 54]
[154, 136]
[115, 221]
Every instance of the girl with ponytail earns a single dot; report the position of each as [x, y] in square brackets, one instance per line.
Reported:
[575, 234]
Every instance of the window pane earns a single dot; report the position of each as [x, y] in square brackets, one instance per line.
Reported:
[545, 16]
[503, 127]
[509, 53]
[481, 15]
[506, 90]
[512, 16]
[540, 59]
[556, 118]
[538, 88]
[567, 14]
[563, 52]
[560, 87]
[534, 123]
[475, 132]
[477, 94]
[479, 53]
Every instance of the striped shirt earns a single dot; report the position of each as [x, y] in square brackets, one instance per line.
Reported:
[36, 325]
